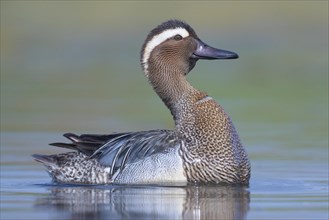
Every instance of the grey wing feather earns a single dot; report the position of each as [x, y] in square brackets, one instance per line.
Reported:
[132, 147]
[119, 149]
[86, 143]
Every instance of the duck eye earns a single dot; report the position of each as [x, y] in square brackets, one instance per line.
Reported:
[178, 37]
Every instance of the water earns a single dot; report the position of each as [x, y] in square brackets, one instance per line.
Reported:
[79, 72]
[290, 188]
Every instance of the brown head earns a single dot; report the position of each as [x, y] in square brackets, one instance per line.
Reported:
[174, 44]
[170, 52]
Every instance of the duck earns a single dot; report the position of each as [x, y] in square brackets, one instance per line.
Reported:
[202, 148]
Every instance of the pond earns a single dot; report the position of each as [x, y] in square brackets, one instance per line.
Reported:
[280, 189]
[74, 67]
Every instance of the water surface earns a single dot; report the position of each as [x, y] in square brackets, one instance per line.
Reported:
[74, 67]
[279, 189]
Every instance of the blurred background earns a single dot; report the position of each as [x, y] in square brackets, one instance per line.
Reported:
[74, 66]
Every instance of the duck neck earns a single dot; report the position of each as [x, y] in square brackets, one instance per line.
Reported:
[171, 86]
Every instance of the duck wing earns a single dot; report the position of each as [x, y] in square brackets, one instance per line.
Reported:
[119, 149]
[86, 143]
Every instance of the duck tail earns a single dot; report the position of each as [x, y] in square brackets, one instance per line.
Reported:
[47, 160]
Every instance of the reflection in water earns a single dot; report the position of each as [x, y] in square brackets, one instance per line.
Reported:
[138, 202]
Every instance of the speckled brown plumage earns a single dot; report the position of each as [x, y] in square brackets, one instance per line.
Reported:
[213, 151]
[74, 167]
[203, 147]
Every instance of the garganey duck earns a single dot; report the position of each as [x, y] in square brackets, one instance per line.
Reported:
[204, 146]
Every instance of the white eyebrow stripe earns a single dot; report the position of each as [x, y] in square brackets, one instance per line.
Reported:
[160, 38]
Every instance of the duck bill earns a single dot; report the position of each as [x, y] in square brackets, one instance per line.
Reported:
[207, 52]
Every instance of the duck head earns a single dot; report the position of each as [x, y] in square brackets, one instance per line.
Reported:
[174, 46]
